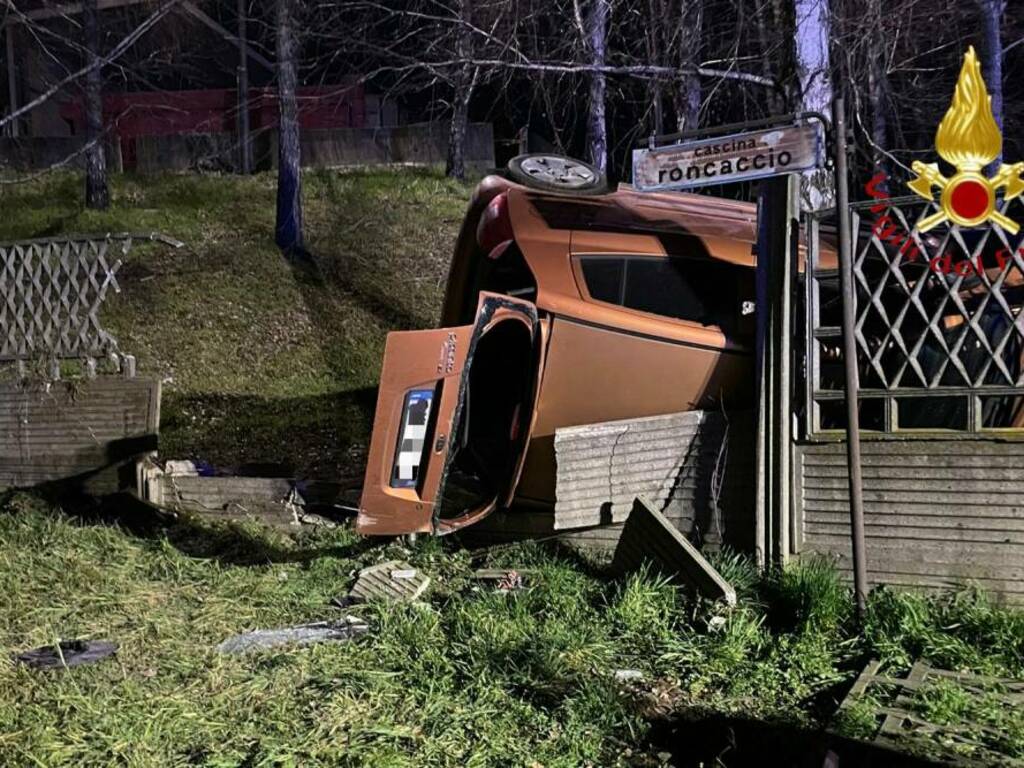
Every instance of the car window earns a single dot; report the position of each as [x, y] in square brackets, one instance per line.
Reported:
[696, 289]
[604, 279]
[661, 287]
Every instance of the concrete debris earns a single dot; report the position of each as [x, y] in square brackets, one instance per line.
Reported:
[181, 468]
[648, 536]
[627, 675]
[302, 634]
[506, 579]
[393, 580]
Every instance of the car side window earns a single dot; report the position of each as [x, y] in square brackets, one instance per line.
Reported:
[661, 287]
[696, 289]
[604, 278]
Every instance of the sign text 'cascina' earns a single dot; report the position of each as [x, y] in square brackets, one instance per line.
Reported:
[752, 155]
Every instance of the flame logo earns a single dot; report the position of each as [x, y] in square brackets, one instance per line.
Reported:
[968, 137]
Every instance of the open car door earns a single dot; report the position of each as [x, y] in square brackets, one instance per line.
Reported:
[454, 414]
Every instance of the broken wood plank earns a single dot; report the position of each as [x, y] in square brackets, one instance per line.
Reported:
[648, 536]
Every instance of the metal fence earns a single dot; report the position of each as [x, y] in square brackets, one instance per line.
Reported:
[939, 328]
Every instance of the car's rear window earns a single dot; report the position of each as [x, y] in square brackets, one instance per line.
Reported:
[697, 289]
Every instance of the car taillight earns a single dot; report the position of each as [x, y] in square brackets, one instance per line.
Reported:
[495, 227]
[412, 435]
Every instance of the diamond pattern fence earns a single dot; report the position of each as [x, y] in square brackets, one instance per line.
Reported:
[939, 328]
[50, 296]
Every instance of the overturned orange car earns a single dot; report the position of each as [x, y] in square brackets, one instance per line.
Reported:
[560, 310]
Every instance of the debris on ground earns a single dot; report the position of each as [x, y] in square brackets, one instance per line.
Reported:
[916, 712]
[67, 653]
[302, 634]
[627, 675]
[392, 580]
[649, 536]
[506, 579]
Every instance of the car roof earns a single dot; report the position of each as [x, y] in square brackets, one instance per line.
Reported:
[727, 228]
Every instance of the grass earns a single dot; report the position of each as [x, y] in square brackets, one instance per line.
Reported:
[262, 361]
[472, 677]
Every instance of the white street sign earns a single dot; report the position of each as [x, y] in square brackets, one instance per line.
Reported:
[740, 157]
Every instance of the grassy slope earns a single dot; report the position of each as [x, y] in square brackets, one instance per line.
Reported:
[262, 361]
[471, 678]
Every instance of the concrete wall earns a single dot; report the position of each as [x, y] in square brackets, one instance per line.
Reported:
[84, 432]
[38, 152]
[422, 143]
[938, 513]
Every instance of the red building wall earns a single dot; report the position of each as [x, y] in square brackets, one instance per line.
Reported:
[156, 113]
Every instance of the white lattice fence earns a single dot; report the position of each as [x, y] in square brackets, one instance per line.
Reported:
[50, 295]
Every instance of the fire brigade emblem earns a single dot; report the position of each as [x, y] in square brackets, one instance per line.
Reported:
[968, 139]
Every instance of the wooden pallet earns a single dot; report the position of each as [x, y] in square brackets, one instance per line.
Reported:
[898, 722]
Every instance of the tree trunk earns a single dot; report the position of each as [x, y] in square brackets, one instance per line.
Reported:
[812, 22]
[776, 61]
[992, 58]
[465, 82]
[97, 194]
[289, 179]
[687, 94]
[597, 130]
[878, 90]
[654, 58]
[244, 150]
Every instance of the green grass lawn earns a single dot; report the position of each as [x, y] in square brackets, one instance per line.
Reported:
[470, 677]
[262, 361]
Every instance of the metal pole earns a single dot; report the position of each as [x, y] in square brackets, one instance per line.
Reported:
[12, 80]
[860, 574]
[762, 377]
[245, 154]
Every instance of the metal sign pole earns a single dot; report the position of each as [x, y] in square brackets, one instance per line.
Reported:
[860, 577]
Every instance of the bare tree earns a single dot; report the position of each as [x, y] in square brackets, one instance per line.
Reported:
[595, 30]
[687, 92]
[878, 84]
[813, 23]
[288, 231]
[465, 82]
[992, 57]
[97, 193]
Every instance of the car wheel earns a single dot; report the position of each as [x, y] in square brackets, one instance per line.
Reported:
[557, 173]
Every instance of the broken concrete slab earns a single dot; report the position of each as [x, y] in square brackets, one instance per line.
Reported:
[648, 536]
[393, 580]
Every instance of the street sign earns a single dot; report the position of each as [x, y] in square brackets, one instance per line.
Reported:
[739, 157]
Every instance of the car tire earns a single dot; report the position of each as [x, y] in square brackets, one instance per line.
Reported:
[557, 173]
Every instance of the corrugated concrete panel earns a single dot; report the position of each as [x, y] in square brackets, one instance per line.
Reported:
[83, 429]
[938, 513]
[598, 464]
[649, 537]
[603, 467]
[393, 580]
